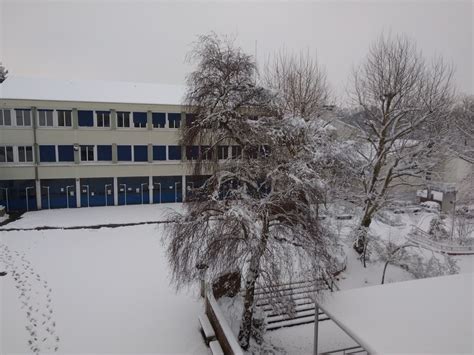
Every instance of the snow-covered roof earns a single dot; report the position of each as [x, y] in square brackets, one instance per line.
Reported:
[23, 88]
[434, 315]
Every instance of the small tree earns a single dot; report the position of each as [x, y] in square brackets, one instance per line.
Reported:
[403, 99]
[437, 229]
[461, 139]
[257, 210]
[3, 73]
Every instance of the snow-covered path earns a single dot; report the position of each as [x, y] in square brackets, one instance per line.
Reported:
[110, 292]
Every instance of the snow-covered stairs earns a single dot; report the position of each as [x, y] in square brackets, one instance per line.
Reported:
[295, 305]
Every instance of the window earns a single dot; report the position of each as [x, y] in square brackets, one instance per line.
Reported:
[159, 152]
[236, 152]
[103, 118]
[174, 152]
[86, 118]
[206, 152]
[87, 153]
[124, 153]
[428, 175]
[190, 119]
[140, 153]
[45, 118]
[174, 120]
[47, 153]
[222, 152]
[6, 154]
[158, 119]
[104, 153]
[192, 152]
[139, 119]
[65, 153]
[123, 119]
[64, 118]
[5, 118]
[25, 154]
[23, 117]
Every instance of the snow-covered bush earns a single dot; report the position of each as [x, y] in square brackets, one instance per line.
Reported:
[437, 229]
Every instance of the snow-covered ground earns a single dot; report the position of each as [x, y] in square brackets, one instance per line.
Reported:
[69, 217]
[109, 288]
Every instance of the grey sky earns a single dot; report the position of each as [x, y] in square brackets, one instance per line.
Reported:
[148, 40]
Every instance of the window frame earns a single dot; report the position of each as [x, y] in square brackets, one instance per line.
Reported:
[45, 112]
[62, 115]
[22, 116]
[2, 117]
[90, 149]
[6, 149]
[121, 119]
[25, 149]
[103, 117]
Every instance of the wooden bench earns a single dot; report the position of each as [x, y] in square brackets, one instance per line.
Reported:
[216, 348]
[207, 329]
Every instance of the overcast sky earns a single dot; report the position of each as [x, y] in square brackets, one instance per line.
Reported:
[148, 40]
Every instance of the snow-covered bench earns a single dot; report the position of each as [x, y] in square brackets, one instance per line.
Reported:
[207, 329]
[216, 348]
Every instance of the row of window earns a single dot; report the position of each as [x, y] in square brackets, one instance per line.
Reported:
[10, 154]
[135, 153]
[89, 118]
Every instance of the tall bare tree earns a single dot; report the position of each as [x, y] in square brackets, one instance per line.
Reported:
[257, 211]
[461, 138]
[298, 82]
[403, 99]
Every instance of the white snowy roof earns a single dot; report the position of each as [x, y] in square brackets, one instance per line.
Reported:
[421, 316]
[23, 88]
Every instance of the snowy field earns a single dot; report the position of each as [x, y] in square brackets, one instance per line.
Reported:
[109, 287]
[95, 216]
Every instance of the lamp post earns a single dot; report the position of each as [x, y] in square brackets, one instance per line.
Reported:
[67, 194]
[6, 196]
[159, 185]
[47, 194]
[27, 197]
[105, 192]
[202, 267]
[88, 200]
[141, 188]
[124, 189]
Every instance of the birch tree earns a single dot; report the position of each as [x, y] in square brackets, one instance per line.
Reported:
[404, 99]
[461, 138]
[256, 212]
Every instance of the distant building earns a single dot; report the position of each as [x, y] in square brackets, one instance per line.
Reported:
[78, 143]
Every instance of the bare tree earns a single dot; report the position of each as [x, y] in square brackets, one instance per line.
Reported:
[403, 99]
[461, 138]
[3, 73]
[257, 210]
[299, 84]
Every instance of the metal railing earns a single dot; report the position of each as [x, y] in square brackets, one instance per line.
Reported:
[422, 238]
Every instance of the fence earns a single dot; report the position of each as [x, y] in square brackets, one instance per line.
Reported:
[422, 238]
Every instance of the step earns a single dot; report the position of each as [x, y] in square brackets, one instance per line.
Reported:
[216, 348]
[302, 290]
[298, 309]
[298, 302]
[271, 289]
[294, 322]
[285, 317]
[266, 301]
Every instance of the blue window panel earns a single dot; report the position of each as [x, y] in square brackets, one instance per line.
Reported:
[174, 120]
[86, 118]
[159, 152]
[104, 153]
[124, 153]
[139, 119]
[167, 189]
[97, 192]
[140, 152]
[65, 153]
[21, 195]
[159, 119]
[174, 152]
[47, 153]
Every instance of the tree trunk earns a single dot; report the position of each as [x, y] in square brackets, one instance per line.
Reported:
[360, 245]
[253, 274]
[384, 270]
